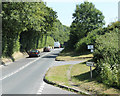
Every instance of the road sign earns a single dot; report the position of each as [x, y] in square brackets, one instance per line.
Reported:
[90, 64]
[90, 46]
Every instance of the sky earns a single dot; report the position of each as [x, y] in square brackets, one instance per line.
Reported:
[65, 9]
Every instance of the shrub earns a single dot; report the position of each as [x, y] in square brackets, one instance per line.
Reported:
[107, 57]
[81, 46]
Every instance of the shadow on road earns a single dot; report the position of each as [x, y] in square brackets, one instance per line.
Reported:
[49, 57]
[32, 57]
[56, 54]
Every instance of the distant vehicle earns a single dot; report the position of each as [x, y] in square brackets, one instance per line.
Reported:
[56, 45]
[34, 52]
[46, 49]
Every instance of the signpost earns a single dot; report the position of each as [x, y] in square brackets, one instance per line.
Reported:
[91, 64]
[91, 47]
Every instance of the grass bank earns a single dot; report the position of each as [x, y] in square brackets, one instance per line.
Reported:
[16, 56]
[71, 56]
[79, 78]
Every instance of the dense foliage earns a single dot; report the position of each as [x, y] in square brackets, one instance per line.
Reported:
[81, 45]
[87, 28]
[86, 19]
[107, 56]
[29, 25]
[106, 52]
[61, 32]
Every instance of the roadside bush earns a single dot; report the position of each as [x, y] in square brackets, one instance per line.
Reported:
[91, 37]
[106, 55]
[81, 46]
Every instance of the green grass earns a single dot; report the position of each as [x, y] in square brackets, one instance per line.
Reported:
[58, 74]
[71, 56]
[80, 77]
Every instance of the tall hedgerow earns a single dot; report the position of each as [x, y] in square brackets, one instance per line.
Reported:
[107, 57]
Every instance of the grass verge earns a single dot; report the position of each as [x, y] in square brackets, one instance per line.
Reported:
[80, 79]
[71, 56]
[58, 74]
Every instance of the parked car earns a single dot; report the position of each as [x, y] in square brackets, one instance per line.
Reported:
[46, 49]
[56, 45]
[34, 52]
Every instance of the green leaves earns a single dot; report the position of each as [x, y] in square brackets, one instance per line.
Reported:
[29, 25]
[86, 19]
[60, 32]
[107, 57]
[20, 17]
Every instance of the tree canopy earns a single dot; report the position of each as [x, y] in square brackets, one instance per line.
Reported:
[28, 25]
[86, 18]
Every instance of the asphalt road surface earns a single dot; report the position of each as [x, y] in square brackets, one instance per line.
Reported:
[25, 76]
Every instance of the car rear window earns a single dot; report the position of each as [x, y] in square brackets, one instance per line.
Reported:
[34, 51]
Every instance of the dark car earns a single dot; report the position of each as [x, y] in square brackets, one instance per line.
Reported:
[46, 49]
[33, 53]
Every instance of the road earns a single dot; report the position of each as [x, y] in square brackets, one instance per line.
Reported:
[25, 76]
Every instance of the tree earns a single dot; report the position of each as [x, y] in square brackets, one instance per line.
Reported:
[60, 32]
[26, 25]
[86, 18]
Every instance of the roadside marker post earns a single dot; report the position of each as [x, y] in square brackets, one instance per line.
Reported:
[90, 47]
[91, 64]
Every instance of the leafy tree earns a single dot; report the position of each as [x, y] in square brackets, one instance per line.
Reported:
[60, 32]
[10, 16]
[86, 18]
[107, 57]
[26, 25]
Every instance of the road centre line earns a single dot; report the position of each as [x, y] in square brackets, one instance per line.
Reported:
[41, 88]
[21, 68]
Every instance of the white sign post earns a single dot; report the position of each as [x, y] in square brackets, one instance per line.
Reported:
[91, 47]
[91, 64]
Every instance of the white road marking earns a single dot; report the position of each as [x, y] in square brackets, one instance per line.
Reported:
[41, 88]
[43, 84]
[21, 68]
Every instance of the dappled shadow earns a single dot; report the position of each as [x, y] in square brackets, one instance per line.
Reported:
[3, 63]
[11, 57]
[49, 57]
[56, 54]
[86, 76]
[32, 57]
[75, 54]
